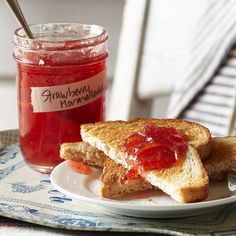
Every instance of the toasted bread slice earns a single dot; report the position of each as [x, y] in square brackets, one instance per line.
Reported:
[222, 158]
[82, 151]
[114, 186]
[220, 161]
[185, 182]
[198, 136]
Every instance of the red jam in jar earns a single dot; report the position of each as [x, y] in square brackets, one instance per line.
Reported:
[154, 148]
[61, 83]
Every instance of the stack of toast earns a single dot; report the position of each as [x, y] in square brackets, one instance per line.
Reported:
[103, 146]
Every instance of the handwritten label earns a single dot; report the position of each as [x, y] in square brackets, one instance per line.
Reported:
[68, 96]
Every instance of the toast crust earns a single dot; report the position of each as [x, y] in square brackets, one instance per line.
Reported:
[198, 136]
[83, 151]
[113, 185]
[187, 182]
[222, 158]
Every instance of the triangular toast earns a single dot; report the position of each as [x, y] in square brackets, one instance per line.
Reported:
[185, 182]
[221, 159]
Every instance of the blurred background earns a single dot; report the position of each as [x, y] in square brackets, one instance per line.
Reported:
[107, 13]
[167, 36]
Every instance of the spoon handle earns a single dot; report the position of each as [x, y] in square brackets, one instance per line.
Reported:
[15, 8]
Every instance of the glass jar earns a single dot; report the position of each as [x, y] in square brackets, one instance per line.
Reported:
[61, 84]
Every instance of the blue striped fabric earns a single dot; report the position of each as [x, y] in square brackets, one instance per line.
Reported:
[207, 91]
[213, 107]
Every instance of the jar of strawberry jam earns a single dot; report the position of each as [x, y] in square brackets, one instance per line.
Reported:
[61, 84]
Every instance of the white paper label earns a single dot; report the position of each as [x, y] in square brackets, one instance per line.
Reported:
[68, 96]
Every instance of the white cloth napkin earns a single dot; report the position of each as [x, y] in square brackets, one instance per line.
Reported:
[206, 91]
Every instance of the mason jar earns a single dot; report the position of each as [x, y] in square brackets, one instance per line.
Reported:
[61, 83]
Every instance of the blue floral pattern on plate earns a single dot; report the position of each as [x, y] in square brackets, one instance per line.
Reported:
[29, 196]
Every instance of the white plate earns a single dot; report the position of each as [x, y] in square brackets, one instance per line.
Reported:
[151, 204]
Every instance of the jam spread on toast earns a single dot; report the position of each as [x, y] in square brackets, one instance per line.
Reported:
[154, 148]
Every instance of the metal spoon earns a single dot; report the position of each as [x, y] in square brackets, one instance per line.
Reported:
[15, 8]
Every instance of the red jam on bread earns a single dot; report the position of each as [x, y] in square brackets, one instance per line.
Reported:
[154, 148]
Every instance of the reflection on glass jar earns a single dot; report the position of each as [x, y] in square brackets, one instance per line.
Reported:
[61, 83]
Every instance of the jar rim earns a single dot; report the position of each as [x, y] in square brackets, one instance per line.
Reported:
[59, 40]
